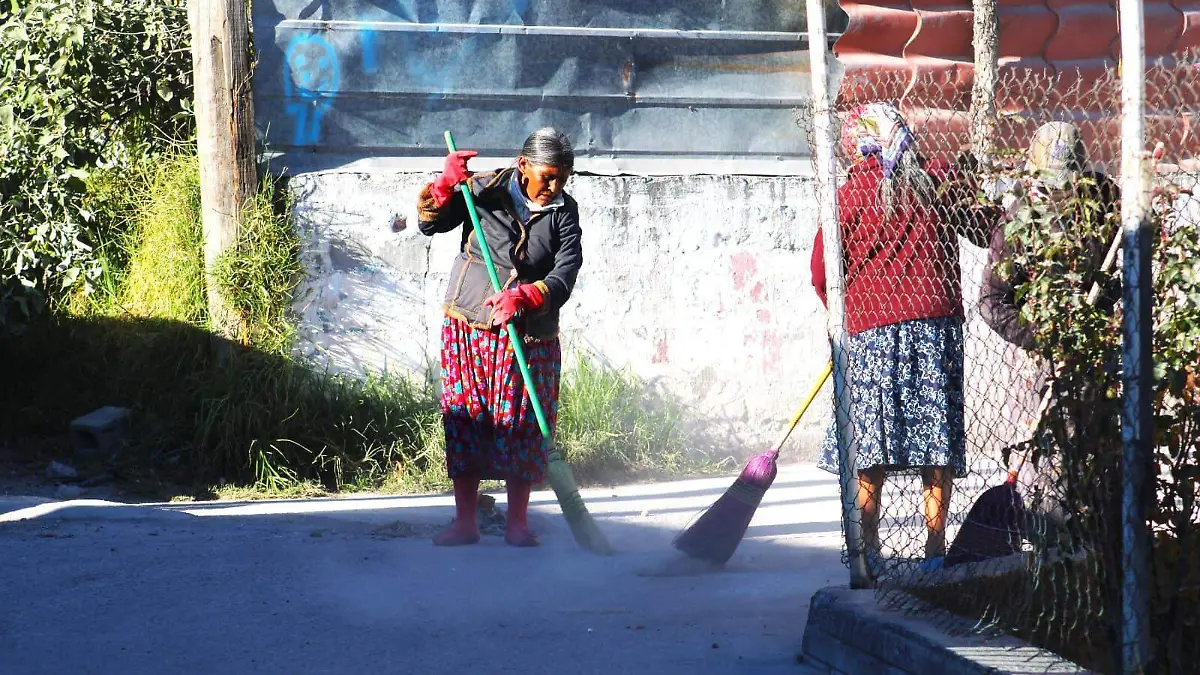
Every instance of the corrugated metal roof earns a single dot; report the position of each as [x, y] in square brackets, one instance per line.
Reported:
[635, 85]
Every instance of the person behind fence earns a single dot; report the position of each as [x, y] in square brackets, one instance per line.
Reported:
[1055, 177]
[1083, 204]
[900, 218]
[533, 233]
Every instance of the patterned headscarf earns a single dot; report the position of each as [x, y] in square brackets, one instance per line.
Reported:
[876, 129]
[1056, 155]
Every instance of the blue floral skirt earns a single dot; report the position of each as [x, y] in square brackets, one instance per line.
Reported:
[906, 389]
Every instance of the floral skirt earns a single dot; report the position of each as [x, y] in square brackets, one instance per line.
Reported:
[491, 430]
[906, 389]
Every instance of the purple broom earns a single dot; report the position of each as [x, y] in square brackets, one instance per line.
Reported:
[994, 526]
[715, 535]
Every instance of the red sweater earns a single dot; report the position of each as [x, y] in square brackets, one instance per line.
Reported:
[897, 270]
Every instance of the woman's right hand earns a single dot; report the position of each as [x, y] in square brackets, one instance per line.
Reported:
[454, 173]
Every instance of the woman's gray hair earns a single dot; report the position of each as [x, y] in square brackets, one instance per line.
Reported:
[908, 184]
[551, 147]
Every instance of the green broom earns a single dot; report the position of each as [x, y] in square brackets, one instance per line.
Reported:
[558, 472]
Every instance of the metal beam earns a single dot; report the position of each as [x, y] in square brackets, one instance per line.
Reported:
[318, 25]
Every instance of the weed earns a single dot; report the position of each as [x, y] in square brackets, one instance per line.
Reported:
[610, 427]
[259, 273]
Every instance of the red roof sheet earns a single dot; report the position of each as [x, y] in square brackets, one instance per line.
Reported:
[1058, 61]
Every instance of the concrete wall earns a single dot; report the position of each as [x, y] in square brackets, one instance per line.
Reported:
[699, 284]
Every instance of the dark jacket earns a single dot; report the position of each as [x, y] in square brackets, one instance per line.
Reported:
[547, 249]
[904, 267]
[998, 296]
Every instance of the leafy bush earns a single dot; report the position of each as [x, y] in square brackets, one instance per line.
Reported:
[84, 85]
[1085, 341]
[1069, 607]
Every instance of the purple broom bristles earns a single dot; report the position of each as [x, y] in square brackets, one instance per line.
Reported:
[761, 470]
[716, 534]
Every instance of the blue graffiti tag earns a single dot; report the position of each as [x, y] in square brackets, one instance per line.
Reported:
[311, 76]
[369, 64]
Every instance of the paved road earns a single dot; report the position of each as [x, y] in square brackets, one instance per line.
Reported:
[353, 585]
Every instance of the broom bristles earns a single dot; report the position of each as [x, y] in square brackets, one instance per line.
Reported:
[717, 532]
[583, 526]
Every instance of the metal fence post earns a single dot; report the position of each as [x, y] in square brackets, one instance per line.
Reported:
[823, 136]
[1137, 332]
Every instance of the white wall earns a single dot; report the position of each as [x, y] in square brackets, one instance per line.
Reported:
[699, 284]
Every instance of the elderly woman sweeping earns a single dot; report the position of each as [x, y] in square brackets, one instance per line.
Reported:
[900, 219]
[533, 234]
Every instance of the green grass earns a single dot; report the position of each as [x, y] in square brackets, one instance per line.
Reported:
[266, 422]
[151, 245]
[165, 277]
[259, 274]
[610, 428]
[263, 424]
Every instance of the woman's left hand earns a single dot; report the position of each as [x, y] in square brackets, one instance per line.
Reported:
[509, 303]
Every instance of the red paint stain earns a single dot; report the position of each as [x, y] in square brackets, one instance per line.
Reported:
[744, 266]
[772, 350]
[764, 316]
[756, 293]
[660, 352]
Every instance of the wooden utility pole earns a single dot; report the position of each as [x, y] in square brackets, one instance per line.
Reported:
[986, 41]
[224, 134]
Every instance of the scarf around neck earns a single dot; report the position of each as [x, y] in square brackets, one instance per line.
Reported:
[525, 207]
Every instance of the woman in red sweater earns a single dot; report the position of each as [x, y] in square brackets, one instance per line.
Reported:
[904, 316]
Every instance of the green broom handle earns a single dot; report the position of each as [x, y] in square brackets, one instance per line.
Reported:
[514, 336]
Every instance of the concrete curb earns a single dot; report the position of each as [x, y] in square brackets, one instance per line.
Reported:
[82, 509]
[850, 633]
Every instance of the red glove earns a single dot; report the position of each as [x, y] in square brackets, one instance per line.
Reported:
[454, 172]
[509, 303]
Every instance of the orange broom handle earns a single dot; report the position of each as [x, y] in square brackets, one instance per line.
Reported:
[804, 406]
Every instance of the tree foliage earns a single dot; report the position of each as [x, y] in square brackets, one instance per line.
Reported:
[84, 84]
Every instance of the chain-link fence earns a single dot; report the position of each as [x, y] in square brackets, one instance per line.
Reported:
[987, 386]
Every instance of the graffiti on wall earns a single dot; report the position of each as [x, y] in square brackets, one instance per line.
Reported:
[365, 79]
[310, 79]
